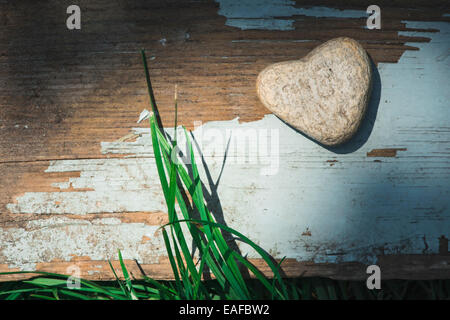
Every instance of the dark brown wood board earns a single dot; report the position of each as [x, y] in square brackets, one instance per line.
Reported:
[78, 179]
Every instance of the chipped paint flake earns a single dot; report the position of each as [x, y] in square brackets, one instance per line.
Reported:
[145, 114]
[275, 14]
[386, 152]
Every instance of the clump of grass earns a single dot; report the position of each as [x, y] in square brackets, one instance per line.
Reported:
[215, 253]
[216, 257]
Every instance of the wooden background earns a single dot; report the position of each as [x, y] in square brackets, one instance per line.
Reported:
[71, 194]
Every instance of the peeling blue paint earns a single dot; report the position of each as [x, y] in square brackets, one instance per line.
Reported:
[359, 208]
[275, 14]
[394, 204]
[362, 208]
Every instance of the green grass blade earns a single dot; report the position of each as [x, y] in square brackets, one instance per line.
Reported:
[85, 282]
[75, 294]
[126, 275]
[172, 260]
[46, 282]
[164, 291]
[13, 296]
[149, 83]
[198, 284]
[188, 288]
[258, 274]
[157, 154]
[122, 287]
[42, 297]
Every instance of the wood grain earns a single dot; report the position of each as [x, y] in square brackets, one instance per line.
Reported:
[63, 93]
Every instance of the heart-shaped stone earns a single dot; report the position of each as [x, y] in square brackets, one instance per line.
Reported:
[325, 94]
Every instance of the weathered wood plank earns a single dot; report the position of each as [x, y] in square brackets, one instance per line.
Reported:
[66, 97]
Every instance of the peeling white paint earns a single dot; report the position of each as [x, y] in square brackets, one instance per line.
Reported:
[121, 185]
[63, 238]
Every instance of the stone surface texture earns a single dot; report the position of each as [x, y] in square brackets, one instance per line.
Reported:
[325, 94]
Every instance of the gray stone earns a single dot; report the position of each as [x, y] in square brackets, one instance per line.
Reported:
[325, 94]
